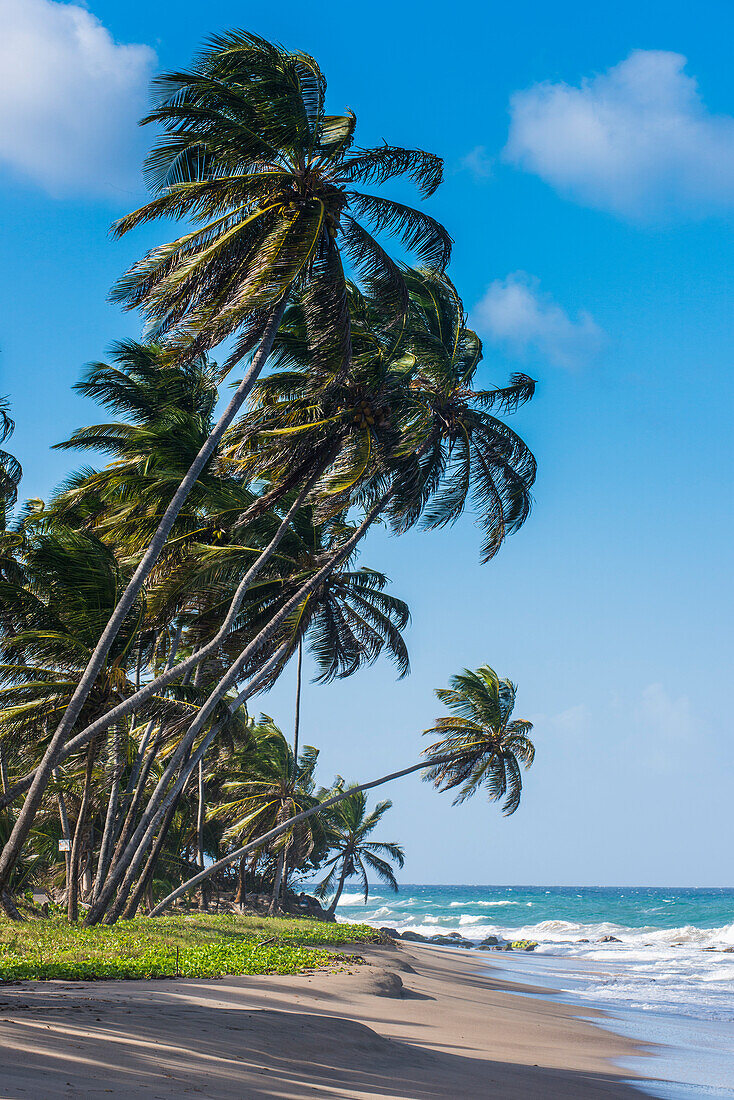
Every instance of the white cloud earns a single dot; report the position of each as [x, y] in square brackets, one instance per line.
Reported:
[668, 728]
[479, 162]
[636, 140]
[515, 312]
[70, 98]
[660, 730]
[573, 720]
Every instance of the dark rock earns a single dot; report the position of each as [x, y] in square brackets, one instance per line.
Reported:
[305, 905]
[582, 941]
[392, 932]
[413, 937]
[609, 939]
[452, 940]
[489, 941]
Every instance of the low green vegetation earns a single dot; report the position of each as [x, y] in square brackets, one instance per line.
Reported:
[182, 945]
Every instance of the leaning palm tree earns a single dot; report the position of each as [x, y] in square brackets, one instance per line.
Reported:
[350, 826]
[248, 154]
[481, 747]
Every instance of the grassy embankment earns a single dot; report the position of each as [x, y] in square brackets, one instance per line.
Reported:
[193, 945]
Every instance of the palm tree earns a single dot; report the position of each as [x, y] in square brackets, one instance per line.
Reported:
[349, 826]
[271, 788]
[248, 154]
[164, 413]
[348, 621]
[485, 747]
[480, 747]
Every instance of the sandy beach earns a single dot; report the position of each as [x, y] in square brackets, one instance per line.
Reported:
[418, 1022]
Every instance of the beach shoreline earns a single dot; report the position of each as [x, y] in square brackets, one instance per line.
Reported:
[691, 1054]
[412, 1022]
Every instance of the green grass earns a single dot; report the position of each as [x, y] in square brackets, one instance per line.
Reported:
[196, 945]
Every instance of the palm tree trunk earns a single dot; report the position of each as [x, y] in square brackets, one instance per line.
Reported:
[200, 812]
[8, 903]
[140, 754]
[276, 885]
[6, 899]
[25, 819]
[139, 757]
[72, 901]
[140, 771]
[297, 720]
[66, 834]
[340, 886]
[127, 868]
[281, 828]
[239, 897]
[146, 878]
[129, 821]
[165, 819]
[105, 848]
[86, 875]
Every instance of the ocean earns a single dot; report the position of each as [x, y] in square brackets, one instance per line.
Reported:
[669, 979]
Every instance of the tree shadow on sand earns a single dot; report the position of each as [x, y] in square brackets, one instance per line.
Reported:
[159, 1049]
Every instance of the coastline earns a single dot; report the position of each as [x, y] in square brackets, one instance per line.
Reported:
[415, 1022]
[691, 1056]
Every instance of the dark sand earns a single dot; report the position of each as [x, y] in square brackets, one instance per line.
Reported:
[417, 1022]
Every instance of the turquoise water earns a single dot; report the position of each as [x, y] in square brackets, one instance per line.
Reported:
[671, 953]
[669, 979]
[459, 908]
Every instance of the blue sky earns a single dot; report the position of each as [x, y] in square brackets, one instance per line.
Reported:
[590, 190]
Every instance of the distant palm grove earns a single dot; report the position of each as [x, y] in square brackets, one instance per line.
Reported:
[164, 585]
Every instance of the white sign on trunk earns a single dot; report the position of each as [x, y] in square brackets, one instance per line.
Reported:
[64, 845]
